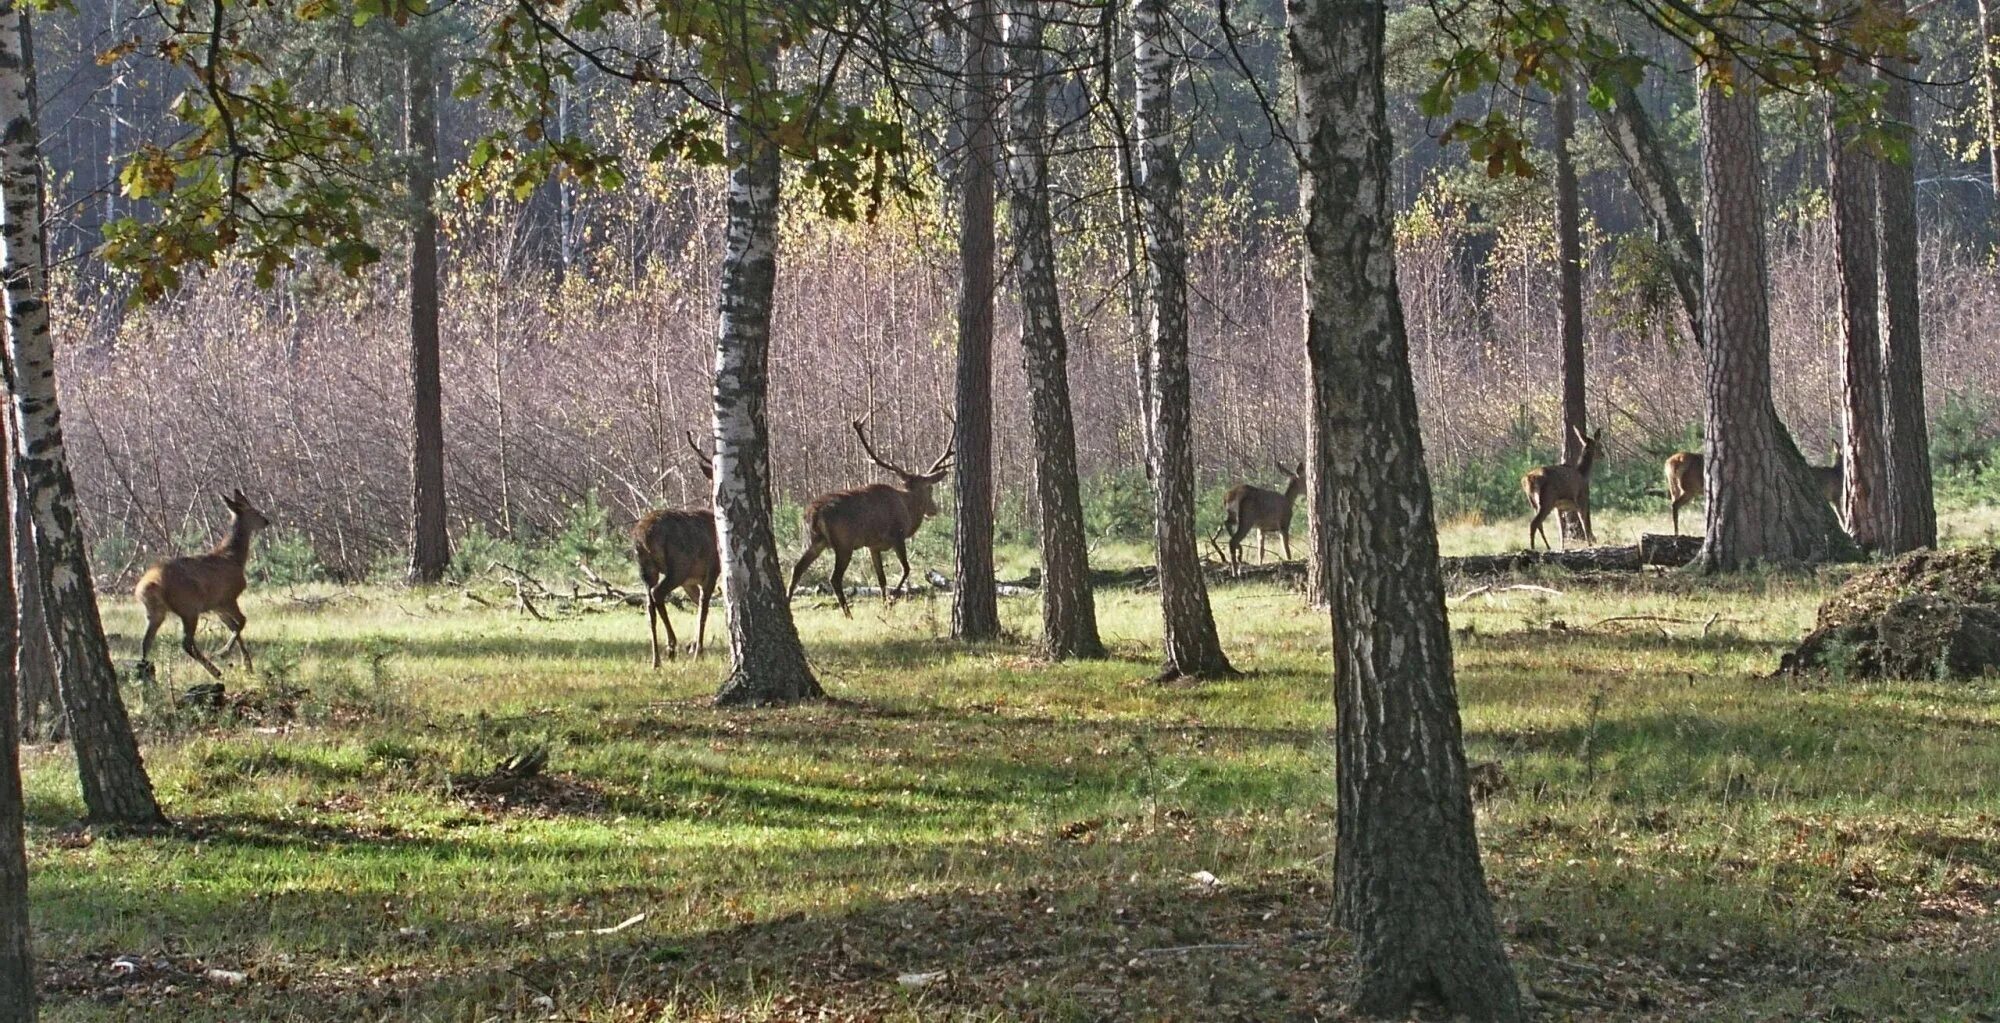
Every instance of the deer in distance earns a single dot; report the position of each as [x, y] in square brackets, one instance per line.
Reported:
[1685, 481]
[1246, 507]
[1564, 487]
[879, 516]
[189, 587]
[676, 549]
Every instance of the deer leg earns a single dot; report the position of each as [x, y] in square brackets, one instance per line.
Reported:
[1535, 526]
[234, 617]
[652, 613]
[673, 641]
[903, 556]
[1236, 535]
[701, 625]
[194, 651]
[1286, 536]
[153, 620]
[805, 561]
[1260, 546]
[881, 580]
[1583, 512]
[840, 558]
[1674, 509]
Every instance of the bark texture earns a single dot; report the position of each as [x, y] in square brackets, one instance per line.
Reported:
[17, 966]
[1631, 132]
[975, 611]
[1069, 610]
[34, 662]
[430, 546]
[1764, 506]
[768, 662]
[116, 790]
[1989, 92]
[1910, 522]
[1569, 264]
[1192, 647]
[1408, 882]
[1850, 177]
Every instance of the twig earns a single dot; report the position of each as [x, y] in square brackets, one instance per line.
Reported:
[1225, 946]
[1481, 591]
[477, 599]
[633, 920]
[521, 595]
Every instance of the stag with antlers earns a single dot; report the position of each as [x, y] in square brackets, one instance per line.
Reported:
[677, 549]
[879, 516]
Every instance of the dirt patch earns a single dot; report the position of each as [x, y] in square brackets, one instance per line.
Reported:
[539, 796]
[1926, 615]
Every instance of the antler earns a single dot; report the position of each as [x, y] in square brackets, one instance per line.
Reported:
[707, 464]
[862, 433]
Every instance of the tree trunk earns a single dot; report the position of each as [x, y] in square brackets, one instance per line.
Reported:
[1408, 882]
[1192, 647]
[1069, 610]
[1319, 513]
[1910, 519]
[769, 662]
[975, 611]
[34, 662]
[17, 965]
[1988, 28]
[430, 546]
[1631, 132]
[1764, 505]
[1850, 176]
[1569, 244]
[116, 790]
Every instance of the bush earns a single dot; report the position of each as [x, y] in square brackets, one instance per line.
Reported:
[288, 559]
[1966, 433]
[1118, 505]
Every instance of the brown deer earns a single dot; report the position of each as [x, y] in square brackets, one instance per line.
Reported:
[1563, 487]
[1832, 479]
[677, 549]
[1246, 507]
[1685, 482]
[879, 516]
[192, 586]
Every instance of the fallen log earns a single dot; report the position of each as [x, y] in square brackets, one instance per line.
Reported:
[1654, 550]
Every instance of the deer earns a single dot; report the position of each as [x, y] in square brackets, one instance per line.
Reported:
[1832, 478]
[1564, 487]
[677, 550]
[1685, 482]
[879, 516]
[1246, 507]
[191, 586]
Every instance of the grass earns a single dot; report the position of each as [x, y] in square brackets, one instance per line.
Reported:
[1682, 837]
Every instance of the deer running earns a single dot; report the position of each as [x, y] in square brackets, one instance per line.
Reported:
[879, 516]
[192, 586]
[1246, 507]
[677, 549]
[1685, 481]
[1563, 487]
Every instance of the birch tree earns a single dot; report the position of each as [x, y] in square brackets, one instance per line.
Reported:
[1192, 647]
[116, 790]
[1069, 609]
[1408, 883]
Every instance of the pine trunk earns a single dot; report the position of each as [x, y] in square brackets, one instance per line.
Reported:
[17, 965]
[1408, 882]
[1192, 648]
[1069, 610]
[1850, 175]
[1764, 506]
[1911, 520]
[1631, 132]
[975, 610]
[116, 790]
[1569, 244]
[769, 663]
[34, 662]
[430, 546]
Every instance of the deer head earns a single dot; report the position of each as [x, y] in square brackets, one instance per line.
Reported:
[247, 517]
[1592, 443]
[707, 464]
[916, 484]
[1295, 479]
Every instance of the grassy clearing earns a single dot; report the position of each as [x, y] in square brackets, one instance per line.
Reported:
[1682, 839]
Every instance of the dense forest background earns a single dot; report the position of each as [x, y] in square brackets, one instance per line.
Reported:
[578, 326]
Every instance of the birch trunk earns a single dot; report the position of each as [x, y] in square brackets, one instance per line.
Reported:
[1408, 882]
[1764, 507]
[975, 610]
[1192, 647]
[34, 662]
[769, 663]
[1850, 178]
[116, 790]
[1910, 522]
[430, 545]
[1069, 610]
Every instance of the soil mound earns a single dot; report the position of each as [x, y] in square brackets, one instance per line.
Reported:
[1926, 615]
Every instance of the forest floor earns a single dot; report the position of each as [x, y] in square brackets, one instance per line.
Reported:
[973, 834]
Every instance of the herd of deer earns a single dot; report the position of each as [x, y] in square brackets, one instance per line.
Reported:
[677, 549]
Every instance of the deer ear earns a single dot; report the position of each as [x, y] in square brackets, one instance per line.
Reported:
[227, 501]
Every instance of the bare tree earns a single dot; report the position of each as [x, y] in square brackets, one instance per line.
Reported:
[116, 789]
[975, 611]
[1069, 610]
[1192, 646]
[1407, 876]
[430, 544]
[1764, 505]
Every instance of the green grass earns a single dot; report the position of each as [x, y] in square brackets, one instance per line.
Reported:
[1682, 838]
